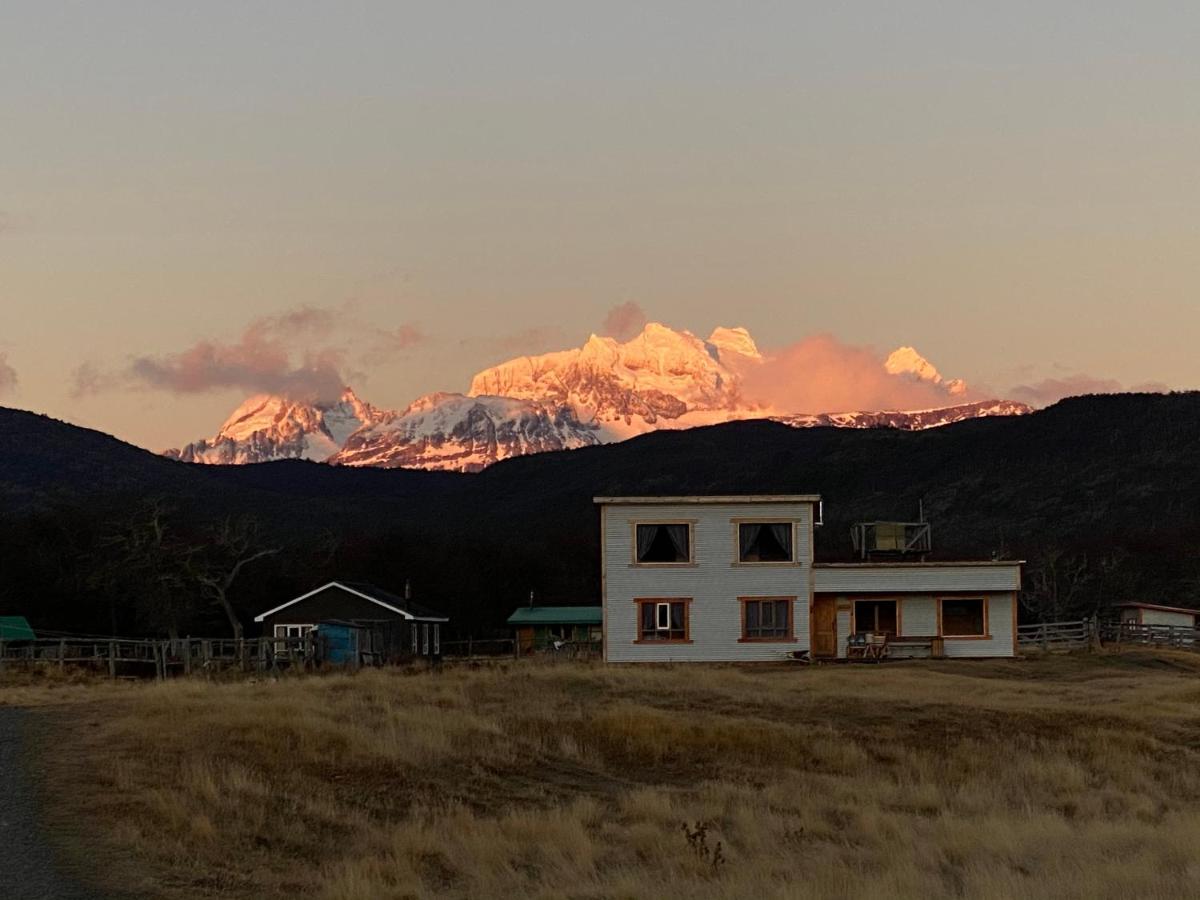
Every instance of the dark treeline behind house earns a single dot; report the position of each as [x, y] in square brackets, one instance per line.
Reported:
[1101, 495]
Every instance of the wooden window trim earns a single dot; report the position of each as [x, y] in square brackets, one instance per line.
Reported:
[899, 601]
[638, 602]
[987, 631]
[791, 639]
[633, 560]
[794, 563]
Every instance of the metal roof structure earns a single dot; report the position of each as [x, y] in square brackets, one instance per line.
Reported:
[556, 615]
[15, 628]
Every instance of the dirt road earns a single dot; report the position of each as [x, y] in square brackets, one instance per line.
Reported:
[30, 867]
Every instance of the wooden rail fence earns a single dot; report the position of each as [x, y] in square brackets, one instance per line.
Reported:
[164, 657]
[1173, 636]
[1076, 635]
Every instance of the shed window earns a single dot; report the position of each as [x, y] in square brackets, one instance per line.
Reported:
[662, 620]
[765, 542]
[285, 631]
[878, 616]
[767, 619]
[964, 618]
[425, 639]
[669, 542]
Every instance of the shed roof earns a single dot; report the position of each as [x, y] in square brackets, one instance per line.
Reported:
[378, 596]
[723, 499]
[556, 615]
[1160, 608]
[15, 628]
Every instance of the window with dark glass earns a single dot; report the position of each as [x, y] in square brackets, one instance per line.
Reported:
[766, 619]
[878, 616]
[662, 620]
[765, 542]
[664, 543]
[963, 618]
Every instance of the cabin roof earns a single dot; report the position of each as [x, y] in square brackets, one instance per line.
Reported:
[15, 628]
[1160, 608]
[556, 615]
[693, 498]
[385, 599]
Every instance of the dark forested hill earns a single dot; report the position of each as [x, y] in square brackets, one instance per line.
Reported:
[1101, 494]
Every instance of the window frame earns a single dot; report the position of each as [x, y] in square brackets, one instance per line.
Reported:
[633, 544]
[737, 523]
[639, 602]
[855, 628]
[789, 638]
[306, 629]
[986, 635]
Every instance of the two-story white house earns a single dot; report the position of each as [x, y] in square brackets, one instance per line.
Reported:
[732, 578]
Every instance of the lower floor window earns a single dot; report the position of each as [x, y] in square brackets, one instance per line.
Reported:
[662, 620]
[964, 618]
[766, 619]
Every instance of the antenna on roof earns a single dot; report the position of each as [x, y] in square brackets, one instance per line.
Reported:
[407, 589]
[531, 599]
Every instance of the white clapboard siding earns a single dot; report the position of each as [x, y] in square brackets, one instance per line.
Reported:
[909, 578]
[919, 618]
[1162, 617]
[713, 584]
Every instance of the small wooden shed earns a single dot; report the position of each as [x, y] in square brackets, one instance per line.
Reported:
[541, 627]
[1156, 614]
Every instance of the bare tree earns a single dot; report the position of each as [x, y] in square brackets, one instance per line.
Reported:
[233, 545]
[1056, 583]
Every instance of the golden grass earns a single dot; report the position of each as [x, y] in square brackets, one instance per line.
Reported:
[1063, 777]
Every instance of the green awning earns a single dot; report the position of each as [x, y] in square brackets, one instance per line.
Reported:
[556, 615]
[15, 628]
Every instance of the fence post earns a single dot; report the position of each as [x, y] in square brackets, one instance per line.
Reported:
[1, 653]
[1045, 633]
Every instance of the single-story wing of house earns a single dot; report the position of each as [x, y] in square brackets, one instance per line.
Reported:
[733, 578]
[539, 627]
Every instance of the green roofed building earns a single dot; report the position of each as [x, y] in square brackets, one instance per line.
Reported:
[15, 628]
[542, 627]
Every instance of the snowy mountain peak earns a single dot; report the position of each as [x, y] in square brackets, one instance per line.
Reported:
[907, 361]
[734, 340]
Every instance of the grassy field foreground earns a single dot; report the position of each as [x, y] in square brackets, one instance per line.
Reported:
[1063, 777]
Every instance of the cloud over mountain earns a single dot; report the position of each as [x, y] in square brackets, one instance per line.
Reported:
[624, 321]
[1051, 390]
[821, 374]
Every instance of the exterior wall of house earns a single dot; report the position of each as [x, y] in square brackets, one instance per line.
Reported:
[713, 582]
[1162, 617]
[912, 578]
[918, 617]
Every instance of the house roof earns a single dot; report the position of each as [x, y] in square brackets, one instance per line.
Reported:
[378, 596]
[938, 564]
[15, 628]
[556, 615]
[1174, 609]
[723, 498]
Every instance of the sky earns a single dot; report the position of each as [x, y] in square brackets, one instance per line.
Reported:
[1010, 187]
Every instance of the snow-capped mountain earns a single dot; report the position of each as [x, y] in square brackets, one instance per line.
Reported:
[605, 390]
[453, 431]
[268, 427]
[917, 420]
[661, 378]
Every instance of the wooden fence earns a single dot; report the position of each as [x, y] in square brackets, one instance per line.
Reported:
[1077, 635]
[1173, 636]
[164, 657]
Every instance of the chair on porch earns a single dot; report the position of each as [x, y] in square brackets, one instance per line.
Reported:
[876, 646]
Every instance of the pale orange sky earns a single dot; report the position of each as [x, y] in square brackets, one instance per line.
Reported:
[1011, 188]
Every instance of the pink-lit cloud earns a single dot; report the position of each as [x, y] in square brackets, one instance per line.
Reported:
[301, 353]
[820, 374]
[8, 376]
[1051, 390]
[499, 347]
[624, 321]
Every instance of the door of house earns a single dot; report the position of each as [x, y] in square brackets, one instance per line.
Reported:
[824, 626]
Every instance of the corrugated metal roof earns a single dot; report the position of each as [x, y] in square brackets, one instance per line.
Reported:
[15, 628]
[556, 615]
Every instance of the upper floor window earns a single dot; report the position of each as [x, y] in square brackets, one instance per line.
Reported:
[766, 542]
[663, 542]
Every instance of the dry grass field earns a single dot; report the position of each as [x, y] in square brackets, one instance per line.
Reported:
[1065, 777]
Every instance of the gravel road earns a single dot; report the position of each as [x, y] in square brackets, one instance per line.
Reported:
[29, 866]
